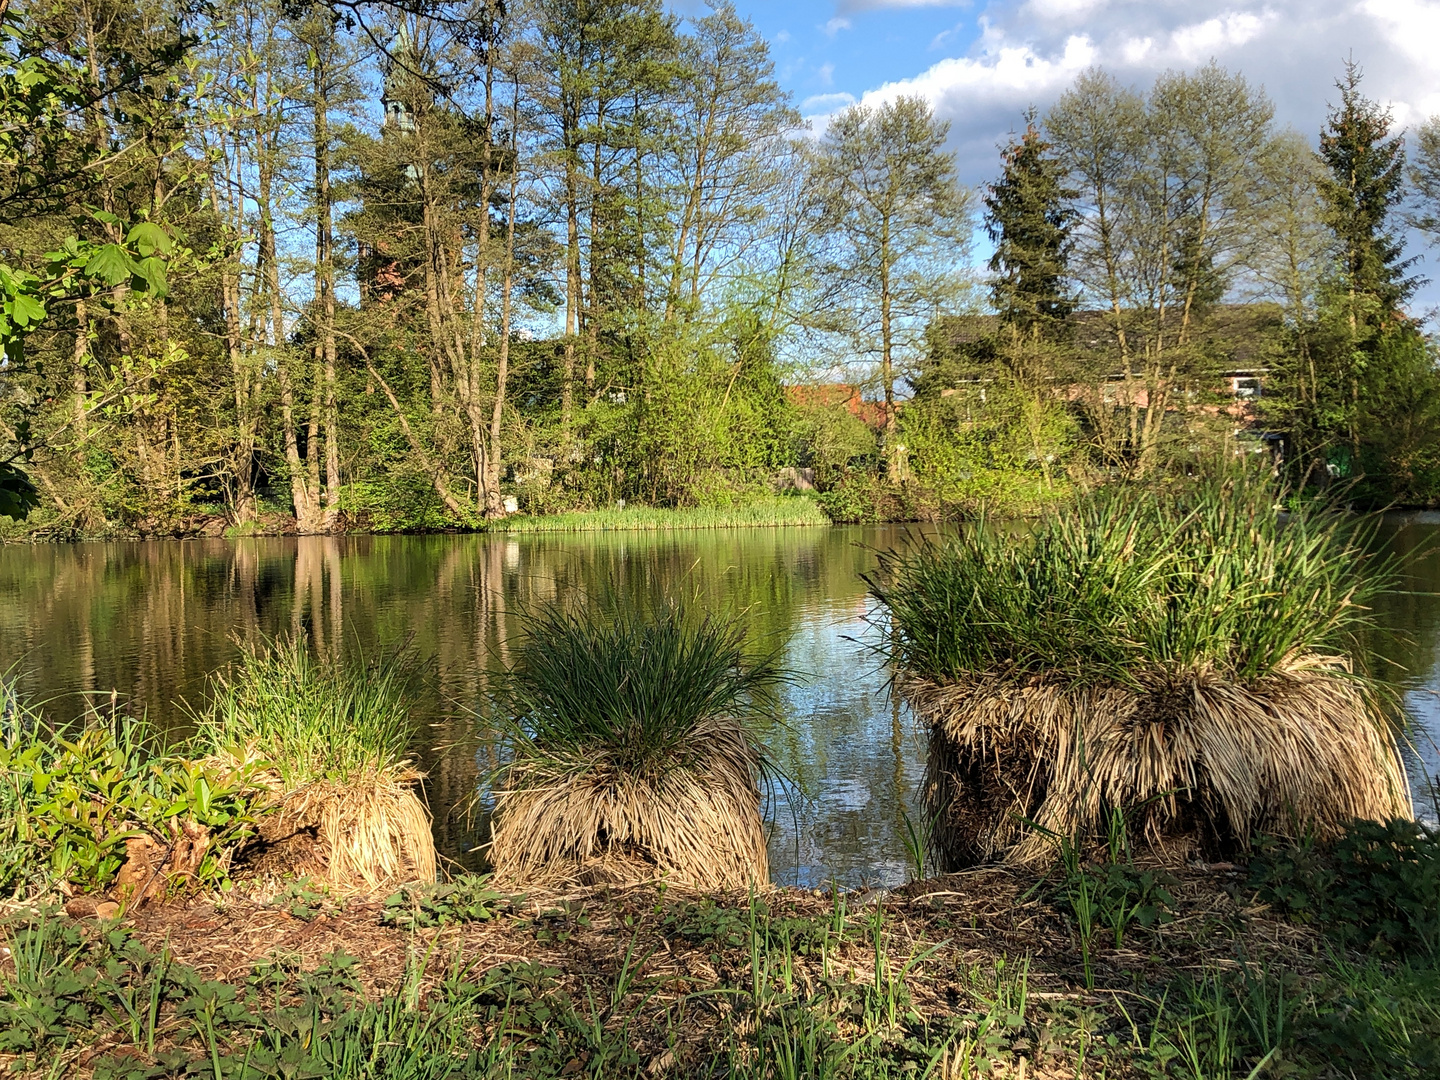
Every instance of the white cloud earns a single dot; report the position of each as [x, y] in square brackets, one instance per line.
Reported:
[826, 103]
[1028, 51]
[826, 74]
[1062, 9]
[835, 25]
[782, 37]
[1002, 72]
[1198, 42]
[847, 7]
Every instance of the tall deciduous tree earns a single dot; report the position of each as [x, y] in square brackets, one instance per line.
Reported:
[897, 222]
[1167, 202]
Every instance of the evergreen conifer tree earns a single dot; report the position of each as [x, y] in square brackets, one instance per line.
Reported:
[1365, 183]
[1359, 394]
[1029, 222]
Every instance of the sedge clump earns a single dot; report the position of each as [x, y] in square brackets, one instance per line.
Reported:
[1193, 658]
[328, 740]
[633, 752]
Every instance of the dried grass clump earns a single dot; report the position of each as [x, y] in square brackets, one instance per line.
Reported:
[328, 740]
[592, 820]
[632, 754]
[1207, 763]
[1180, 659]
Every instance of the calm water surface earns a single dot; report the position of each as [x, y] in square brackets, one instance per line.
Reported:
[147, 621]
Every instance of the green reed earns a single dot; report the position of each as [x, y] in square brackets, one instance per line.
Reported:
[311, 718]
[636, 685]
[1131, 579]
[762, 512]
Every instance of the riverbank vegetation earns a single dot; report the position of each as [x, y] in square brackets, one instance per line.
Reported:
[298, 765]
[631, 776]
[1190, 659]
[325, 744]
[757, 512]
[312, 268]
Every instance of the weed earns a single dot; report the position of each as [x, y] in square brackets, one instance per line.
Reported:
[300, 901]
[1378, 886]
[466, 899]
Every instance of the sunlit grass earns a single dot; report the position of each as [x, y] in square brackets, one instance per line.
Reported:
[310, 719]
[770, 511]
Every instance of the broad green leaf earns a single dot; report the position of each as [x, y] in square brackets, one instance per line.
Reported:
[152, 270]
[26, 310]
[111, 264]
[149, 238]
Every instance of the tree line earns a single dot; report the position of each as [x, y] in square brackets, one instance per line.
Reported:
[392, 265]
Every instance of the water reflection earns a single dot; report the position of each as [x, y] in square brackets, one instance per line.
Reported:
[1408, 637]
[149, 620]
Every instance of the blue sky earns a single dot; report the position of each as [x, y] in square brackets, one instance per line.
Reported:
[982, 62]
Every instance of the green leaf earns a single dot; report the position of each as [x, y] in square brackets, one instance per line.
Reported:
[149, 238]
[152, 272]
[111, 264]
[25, 310]
[17, 495]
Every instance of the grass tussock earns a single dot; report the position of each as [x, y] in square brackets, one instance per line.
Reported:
[766, 512]
[633, 754]
[1187, 658]
[330, 741]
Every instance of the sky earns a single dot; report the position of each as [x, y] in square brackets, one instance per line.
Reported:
[982, 64]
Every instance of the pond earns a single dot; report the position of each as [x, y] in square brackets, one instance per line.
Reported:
[141, 625]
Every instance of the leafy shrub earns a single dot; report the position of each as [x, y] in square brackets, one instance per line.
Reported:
[76, 797]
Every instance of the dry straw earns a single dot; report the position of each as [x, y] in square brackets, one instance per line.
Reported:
[633, 753]
[328, 740]
[1184, 660]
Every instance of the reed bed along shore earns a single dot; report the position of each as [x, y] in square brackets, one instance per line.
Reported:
[1188, 660]
[764, 512]
[631, 751]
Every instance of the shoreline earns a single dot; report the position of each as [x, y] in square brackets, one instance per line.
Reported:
[786, 511]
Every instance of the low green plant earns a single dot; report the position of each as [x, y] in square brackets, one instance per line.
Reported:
[466, 899]
[301, 901]
[77, 794]
[1378, 886]
[919, 839]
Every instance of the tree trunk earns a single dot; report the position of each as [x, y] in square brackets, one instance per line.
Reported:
[325, 409]
[494, 507]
